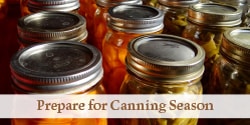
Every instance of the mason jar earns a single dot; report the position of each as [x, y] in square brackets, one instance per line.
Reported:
[100, 19]
[176, 13]
[163, 64]
[33, 6]
[51, 26]
[125, 22]
[206, 24]
[57, 68]
[230, 73]
[242, 4]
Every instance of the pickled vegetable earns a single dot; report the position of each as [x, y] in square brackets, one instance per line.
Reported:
[131, 85]
[174, 23]
[150, 2]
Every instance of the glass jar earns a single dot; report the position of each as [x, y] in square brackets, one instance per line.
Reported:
[206, 24]
[100, 19]
[33, 6]
[51, 26]
[175, 66]
[125, 23]
[58, 68]
[242, 4]
[176, 13]
[230, 73]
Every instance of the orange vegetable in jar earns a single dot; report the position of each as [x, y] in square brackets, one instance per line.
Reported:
[125, 22]
[68, 68]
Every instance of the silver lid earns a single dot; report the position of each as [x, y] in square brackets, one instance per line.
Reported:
[165, 58]
[110, 3]
[51, 26]
[231, 2]
[236, 45]
[56, 67]
[53, 5]
[214, 14]
[135, 18]
[178, 3]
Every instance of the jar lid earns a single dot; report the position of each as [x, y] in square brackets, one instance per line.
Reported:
[56, 67]
[178, 3]
[165, 58]
[231, 2]
[51, 26]
[214, 14]
[53, 5]
[236, 45]
[135, 18]
[108, 3]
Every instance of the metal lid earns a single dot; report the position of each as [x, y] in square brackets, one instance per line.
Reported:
[110, 3]
[178, 3]
[135, 18]
[51, 26]
[214, 14]
[53, 5]
[165, 58]
[231, 2]
[236, 45]
[56, 67]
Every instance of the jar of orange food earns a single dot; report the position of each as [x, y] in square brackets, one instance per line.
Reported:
[100, 18]
[87, 9]
[32, 6]
[58, 68]
[125, 23]
[51, 26]
[3, 9]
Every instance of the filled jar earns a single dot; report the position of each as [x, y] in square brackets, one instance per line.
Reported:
[163, 64]
[206, 24]
[57, 68]
[125, 23]
[33, 6]
[176, 13]
[51, 26]
[230, 73]
[100, 19]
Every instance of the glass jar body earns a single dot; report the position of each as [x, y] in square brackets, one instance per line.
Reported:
[229, 78]
[114, 47]
[175, 19]
[97, 89]
[209, 37]
[134, 85]
[87, 9]
[100, 27]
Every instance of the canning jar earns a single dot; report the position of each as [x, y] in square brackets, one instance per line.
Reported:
[206, 24]
[230, 73]
[176, 13]
[175, 66]
[33, 6]
[100, 18]
[58, 68]
[125, 23]
[242, 4]
[51, 26]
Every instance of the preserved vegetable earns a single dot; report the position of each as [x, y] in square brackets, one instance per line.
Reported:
[208, 32]
[174, 67]
[136, 20]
